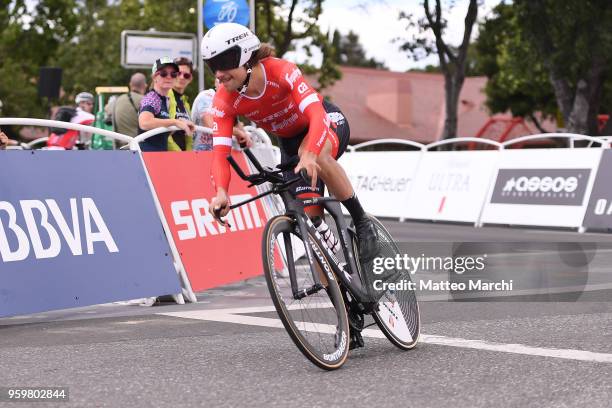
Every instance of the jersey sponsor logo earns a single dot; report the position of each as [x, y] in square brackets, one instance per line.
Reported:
[251, 114]
[273, 84]
[37, 215]
[336, 117]
[285, 123]
[277, 102]
[293, 77]
[279, 114]
[237, 38]
[215, 112]
[237, 101]
[322, 138]
[198, 222]
[302, 87]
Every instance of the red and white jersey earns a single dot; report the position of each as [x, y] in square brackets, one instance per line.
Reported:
[286, 107]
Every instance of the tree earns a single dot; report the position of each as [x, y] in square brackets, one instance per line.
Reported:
[573, 41]
[517, 80]
[28, 40]
[350, 52]
[453, 61]
[83, 37]
[282, 22]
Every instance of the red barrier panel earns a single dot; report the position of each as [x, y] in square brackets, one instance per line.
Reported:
[212, 255]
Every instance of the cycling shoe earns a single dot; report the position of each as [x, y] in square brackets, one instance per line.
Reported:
[367, 239]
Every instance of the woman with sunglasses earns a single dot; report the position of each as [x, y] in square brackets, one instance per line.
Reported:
[273, 93]
[179, 105]
[155, 107]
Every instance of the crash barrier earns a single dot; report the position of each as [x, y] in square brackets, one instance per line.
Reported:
[539, 187]
[212, 254]
[450, 183]
[77, 230]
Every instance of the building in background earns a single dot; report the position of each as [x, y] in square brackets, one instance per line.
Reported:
[382, 104]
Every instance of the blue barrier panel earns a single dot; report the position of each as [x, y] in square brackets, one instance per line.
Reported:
[76, 229]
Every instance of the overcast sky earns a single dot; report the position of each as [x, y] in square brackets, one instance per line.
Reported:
[376, 22]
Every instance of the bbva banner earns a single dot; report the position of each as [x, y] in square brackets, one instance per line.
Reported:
[76, 229]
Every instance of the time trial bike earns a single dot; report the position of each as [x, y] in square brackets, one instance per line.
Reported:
[322, 297]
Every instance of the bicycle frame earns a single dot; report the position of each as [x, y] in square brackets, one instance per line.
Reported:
[294, 207]
[348, 274]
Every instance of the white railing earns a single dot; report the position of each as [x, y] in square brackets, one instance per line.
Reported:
[571, 136]
[411, 143]
[65, 125]
[463, 140]
[134, 142]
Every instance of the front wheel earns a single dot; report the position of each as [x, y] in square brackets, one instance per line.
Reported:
[317, 323]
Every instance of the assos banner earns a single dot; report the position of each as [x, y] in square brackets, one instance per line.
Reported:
[382, 180]
[212, 254]
[544, 187]
[451, 186]
[599, 211]
[77, 229]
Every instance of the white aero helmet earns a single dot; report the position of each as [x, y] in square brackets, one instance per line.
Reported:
[228, 46]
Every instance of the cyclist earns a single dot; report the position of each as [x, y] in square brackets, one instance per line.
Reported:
[273, 93]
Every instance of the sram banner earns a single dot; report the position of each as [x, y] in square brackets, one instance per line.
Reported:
[542, 187]
[382, 180]
[451, 186]
[599, 211]
[71, 235]
[212, 254]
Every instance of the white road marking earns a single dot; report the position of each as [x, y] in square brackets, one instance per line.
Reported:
[237, 316]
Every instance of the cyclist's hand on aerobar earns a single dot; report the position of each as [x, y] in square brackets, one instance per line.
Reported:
[185, 125]
[243, 138]
[308, 161]
[219, 206]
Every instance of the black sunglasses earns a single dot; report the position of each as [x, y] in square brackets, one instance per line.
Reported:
[172, 74]
[185, 75]
[228, 59]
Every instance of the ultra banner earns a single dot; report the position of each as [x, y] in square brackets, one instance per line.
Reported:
[212, 254]
[545, 187]
[599, 211]
[77, 229]
[451, 186]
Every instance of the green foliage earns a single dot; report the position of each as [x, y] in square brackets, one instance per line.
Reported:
[83, 38]
[280, 23]
[528, 46]
[350, 52]
[518, 82]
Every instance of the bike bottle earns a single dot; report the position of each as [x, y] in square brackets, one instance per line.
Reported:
[330, 239]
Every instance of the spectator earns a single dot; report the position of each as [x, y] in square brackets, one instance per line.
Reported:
[179, 105]
[85, 107]
[126, 107]
[202, 115]
[85, 102]
[4, 140]
[154, 107]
